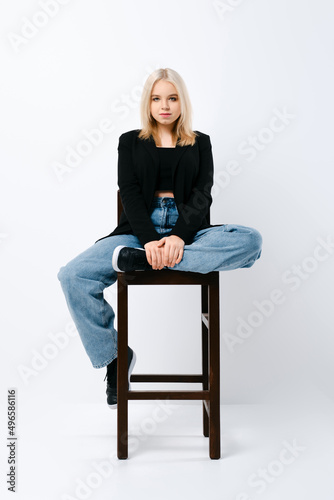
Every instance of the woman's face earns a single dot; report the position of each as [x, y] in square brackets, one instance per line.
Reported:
[165, 103]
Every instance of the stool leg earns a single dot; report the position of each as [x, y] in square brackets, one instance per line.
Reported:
[122, 369]
[205, 360]
[214, 359]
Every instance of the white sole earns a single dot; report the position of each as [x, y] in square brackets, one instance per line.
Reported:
[132, 364]
[115, 257]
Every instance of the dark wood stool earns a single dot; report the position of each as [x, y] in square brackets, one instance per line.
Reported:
[209, 378]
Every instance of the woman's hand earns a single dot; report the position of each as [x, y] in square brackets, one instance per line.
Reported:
[173, 249]
[154, 254]
[165, 252]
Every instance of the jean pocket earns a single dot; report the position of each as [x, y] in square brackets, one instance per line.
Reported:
[156, 216]
[171, 219]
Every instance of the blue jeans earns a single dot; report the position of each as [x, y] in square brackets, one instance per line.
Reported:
[83, 279]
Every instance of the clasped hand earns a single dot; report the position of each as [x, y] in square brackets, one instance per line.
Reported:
[165, 252]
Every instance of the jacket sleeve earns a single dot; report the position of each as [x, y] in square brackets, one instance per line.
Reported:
[192, 213]
[132, 198]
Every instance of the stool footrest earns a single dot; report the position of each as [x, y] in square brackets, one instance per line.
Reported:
[166, 378]
[199, 395]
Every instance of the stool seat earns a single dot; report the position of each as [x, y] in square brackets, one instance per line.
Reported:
[210, 376]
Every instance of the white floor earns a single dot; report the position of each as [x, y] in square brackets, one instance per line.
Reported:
[268, 452]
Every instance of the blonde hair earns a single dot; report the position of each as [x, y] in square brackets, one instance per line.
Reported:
[182, 131]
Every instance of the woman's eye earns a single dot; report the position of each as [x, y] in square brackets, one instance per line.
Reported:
[173, 98]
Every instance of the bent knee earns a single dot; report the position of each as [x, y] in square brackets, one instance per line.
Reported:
[255, 239]
[66, 273]
[62, 273]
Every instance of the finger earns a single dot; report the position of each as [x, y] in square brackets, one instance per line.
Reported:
[148, 257]
[168, 255]
[158, 257]
[174, 259]
[178, 260]
[154, 258]
[161, 256]
[161, 242]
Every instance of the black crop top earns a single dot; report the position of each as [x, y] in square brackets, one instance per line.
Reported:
[166, 156]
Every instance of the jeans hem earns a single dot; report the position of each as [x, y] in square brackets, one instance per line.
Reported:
[105, 363]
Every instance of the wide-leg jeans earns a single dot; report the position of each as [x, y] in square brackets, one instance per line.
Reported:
[220, 248]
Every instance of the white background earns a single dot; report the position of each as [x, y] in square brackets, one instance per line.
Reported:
[241, 65]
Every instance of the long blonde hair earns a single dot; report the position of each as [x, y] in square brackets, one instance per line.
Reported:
[182, 131]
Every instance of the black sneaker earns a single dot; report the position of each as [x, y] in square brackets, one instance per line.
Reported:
[111, 377]
[130, 259]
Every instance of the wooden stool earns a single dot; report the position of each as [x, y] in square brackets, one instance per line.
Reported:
[209, 378]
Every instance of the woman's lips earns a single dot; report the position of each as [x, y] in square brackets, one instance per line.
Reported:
[165, 114]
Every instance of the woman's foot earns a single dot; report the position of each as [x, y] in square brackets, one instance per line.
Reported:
[111, 377]
[130, 259]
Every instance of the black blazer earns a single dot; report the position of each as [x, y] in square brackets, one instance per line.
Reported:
[138, 169]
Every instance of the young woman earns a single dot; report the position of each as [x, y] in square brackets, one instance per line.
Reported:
[165, 176]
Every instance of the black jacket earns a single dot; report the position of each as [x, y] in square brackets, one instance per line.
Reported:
[192, 175]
